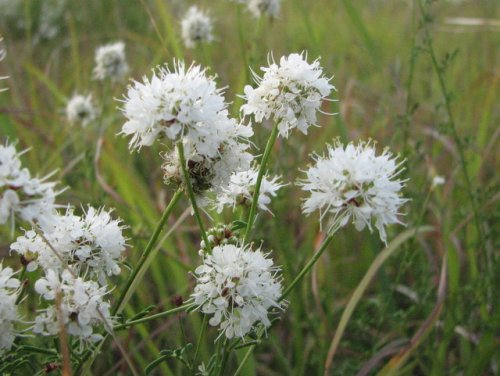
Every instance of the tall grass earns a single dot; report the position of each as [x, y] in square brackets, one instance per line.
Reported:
[405, 78]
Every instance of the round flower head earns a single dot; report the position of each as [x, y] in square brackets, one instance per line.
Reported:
[241, 187]
[196, 27]
[82, 306]
[32, 199]
[351, 182]
[9, 289]
[238, 286]
[183, 104]
[93, 242]
[267, 7]
[291, 92]
[110, 62]
[80, 109]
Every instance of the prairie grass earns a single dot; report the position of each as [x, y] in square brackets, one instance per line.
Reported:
[406, 77]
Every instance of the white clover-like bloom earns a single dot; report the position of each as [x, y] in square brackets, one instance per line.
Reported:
[266, 7]
[291, 92]
[50, 18]
[9, 289]
[81, 109]
[110, 62]
[82, 306]
[93, 244]
[351, 182]
[241, 188]
[183, 104]
[238, 286]
[196, 27]
[32, 199]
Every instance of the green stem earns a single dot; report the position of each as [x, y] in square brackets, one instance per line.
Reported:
[308, 267]
[262, 168]
[198, 342]
[225, 357]
[182, 308]
[192, 197]
[458, 141]
[146, 257]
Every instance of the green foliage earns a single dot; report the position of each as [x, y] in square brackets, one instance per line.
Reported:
[406, 76]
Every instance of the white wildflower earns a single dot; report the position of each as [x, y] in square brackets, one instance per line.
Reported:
[267, 7]
[50, 18]
[196, 27]
[238, 286]
[180, 104]
[93, 244]
[291, 92]
[9, 290]
[80, 303]
[352, 182]
[32, 199]
[241, 188]
[437, 181]
[110, 62]
[80, 109]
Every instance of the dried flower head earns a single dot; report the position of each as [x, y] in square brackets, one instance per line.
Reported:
[32, 199]
[351, 182]
[207, 173]
[80, 303]
[92, 244]
[238, 286]
[9, 290]
[291, 92]
[110, 62]
[196, 27]
[80, 109]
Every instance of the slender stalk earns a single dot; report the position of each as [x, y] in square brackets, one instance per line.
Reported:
[263, 163]
[458, 141]
[153, 317]
[225, 357]
[146, 256]
[198, 342]
[192, 197]
[308, 267]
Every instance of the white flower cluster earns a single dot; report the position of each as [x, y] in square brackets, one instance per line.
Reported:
[79, 303]
[9, 289]
[291, 92]
[50, 18]
[266, 7]
[196, 27]
[352, 182]
[238, 286]
[80, 109]
[180, 103]
[241, 188]
[32, 199]
[110, 62]
[92, 244]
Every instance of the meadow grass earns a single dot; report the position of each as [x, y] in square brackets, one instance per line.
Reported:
[406, 77]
